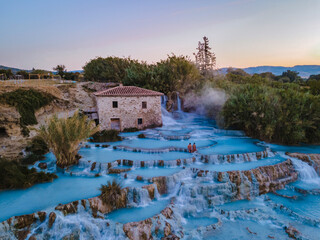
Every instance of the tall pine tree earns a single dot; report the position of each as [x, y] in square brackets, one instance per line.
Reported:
[205, 58]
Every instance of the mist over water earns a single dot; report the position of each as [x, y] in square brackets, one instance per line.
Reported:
[208, 102]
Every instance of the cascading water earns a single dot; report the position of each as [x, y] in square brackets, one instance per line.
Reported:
[157, 170]
[307, 173]
[167, 118]
[178, 102]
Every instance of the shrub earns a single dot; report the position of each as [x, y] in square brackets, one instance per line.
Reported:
[106, 136]
[111, 194]
[141, 135]
[26, 102]
[13, 175]
[131, 129]
[37, 146]
[35, 151]
[63, 135]
[277, 115]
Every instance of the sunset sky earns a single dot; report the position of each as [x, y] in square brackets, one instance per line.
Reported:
[242, 33]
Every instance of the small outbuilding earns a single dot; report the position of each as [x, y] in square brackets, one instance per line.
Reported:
[128, 107]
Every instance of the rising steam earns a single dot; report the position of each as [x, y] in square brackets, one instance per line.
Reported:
[208, 102]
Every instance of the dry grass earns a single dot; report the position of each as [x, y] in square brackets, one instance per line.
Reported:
[45, 85]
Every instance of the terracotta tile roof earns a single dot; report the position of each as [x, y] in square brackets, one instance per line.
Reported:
[127, 91]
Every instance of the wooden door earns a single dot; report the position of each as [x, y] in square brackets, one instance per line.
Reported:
[115, 123]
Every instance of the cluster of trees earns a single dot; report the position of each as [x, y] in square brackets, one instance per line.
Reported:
[172, 74]
[314, 84]
[270, 110]
[64, 74]
[176, 73]
[5, 74]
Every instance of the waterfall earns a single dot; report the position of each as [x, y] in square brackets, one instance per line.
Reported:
[178, 103]
[167, 117]
[307, 173]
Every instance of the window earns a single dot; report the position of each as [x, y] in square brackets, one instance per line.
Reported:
[139, 121]
[115, 104]
[144, 104]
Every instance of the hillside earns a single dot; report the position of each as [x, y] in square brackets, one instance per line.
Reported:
[14, 70]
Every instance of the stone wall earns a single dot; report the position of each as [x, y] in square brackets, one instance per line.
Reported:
[129, 110]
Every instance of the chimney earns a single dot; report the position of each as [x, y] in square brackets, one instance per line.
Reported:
[120, 85]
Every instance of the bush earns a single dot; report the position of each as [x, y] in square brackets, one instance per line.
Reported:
[13, 175]
[37, 146]
[141, 135]
[26, 102]
[111, 194]
[131, 129]
[64, 135]
[35, 151]
[276, 115]
[106, 136]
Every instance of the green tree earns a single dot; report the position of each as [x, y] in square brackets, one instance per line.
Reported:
[177, 73]
[110, 69]
[63, 136]
[290, 76]
[61, 70]
[23, 73]
[6, 74]
[314, 86]
[205, 58]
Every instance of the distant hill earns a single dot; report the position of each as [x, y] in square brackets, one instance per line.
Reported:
[304, 70]
[14, 70]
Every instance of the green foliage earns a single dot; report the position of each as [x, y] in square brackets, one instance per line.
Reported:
[290, 76]
[106, 136]
[110, 69]
[314, 77]
[5, 74]
[174, 73]
[23, 73]
[141, 135]
[133, 129]
[63, 136]
[36, 150]
[314, 85]
[61, 70]
[13, 175]
[37, 146]
[26, 102]
[111, 194]
[205, 58]
[276, 115]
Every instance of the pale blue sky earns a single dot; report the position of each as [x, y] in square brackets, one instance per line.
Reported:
[43, 33]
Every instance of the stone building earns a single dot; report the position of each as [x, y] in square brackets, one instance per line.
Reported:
[128, 107]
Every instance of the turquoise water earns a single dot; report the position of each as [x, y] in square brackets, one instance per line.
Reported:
[155, 172]
[210, 141]
[238, 166]
[110, 155]
[195, 222]
[232, 146]
[308, 206]
[63, 190]
[138, 213]
[160, 144]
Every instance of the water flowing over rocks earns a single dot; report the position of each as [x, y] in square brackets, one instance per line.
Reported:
[312, 159]
[158, 225]
[222, 191]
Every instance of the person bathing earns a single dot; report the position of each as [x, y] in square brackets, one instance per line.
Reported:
[189, 148]
[194, 148]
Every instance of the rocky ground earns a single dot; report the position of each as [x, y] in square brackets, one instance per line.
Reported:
[70, 97]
